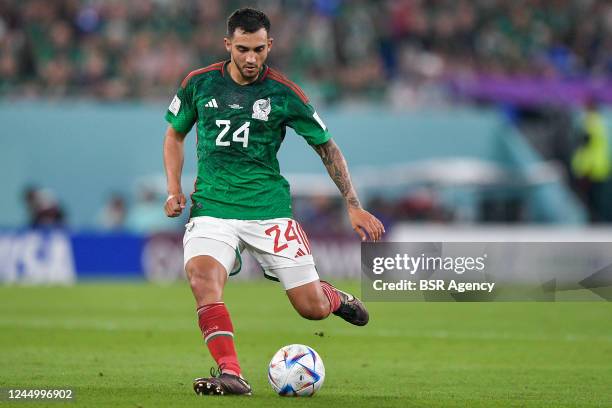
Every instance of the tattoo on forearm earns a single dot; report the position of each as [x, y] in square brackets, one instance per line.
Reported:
[338, 171]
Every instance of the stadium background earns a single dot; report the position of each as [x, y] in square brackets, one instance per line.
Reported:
[459, 119]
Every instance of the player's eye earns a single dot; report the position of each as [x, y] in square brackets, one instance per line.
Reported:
[259, 49]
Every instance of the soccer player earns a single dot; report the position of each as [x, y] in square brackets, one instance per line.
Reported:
[241, 108]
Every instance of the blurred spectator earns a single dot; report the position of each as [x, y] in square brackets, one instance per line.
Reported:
[422, 204]
[43, 208]
[591, 164]
[340, 50]
[113, 214]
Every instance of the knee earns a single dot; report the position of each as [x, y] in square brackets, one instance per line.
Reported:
[315, 311]
[204, 277]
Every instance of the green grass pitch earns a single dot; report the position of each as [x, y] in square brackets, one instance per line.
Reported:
[138, 345]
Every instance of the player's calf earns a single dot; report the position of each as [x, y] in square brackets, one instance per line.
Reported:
[317, 300]
[318, 310]
[310, 301]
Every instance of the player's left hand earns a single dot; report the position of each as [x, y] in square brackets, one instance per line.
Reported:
[365, 223]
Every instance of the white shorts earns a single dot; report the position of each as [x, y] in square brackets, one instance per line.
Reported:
[280, 246]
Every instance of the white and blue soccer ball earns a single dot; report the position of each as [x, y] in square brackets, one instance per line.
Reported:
[296, 370]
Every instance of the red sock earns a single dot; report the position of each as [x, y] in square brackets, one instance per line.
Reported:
[218, 332]
[331, 295]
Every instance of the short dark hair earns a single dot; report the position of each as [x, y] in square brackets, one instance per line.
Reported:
[248, 19]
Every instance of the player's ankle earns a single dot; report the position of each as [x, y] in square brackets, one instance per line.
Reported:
[332, 295]
[230, 371]
[230, 367]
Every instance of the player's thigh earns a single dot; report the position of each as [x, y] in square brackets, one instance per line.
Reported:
[210, 237]
[206, 256]
[280, 244]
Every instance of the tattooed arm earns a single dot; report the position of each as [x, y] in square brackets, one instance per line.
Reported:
[362, 221]
[338, 171]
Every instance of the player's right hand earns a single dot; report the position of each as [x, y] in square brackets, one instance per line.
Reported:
[174, 204]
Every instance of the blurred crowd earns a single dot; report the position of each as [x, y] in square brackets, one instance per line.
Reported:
[402, 52]
[398, 50]
[321, 214]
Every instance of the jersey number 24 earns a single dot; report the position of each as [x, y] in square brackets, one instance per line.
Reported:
[240, 135]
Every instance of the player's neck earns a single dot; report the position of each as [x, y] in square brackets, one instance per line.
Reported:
[237, 76]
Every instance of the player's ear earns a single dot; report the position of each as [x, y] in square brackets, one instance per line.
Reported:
[228, 44]
[270, 40]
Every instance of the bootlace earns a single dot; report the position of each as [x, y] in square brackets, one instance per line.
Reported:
[216, 371]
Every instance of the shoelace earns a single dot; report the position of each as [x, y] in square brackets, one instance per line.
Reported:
[216, 371]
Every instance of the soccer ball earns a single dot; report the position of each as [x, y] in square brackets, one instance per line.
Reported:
[296, 370]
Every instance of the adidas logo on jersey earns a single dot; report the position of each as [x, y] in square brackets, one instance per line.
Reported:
[211, 104]
[299, 253]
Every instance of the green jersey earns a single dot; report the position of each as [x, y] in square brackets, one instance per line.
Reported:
[239, 131]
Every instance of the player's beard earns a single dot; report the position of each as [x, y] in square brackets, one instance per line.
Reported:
[250, 73]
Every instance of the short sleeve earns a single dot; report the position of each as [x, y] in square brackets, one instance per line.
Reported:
[182, 112]
[306, 122]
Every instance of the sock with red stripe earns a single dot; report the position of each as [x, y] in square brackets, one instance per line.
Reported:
[331, 295]
[218, 333]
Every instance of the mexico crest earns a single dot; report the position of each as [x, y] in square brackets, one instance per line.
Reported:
[261, 109]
